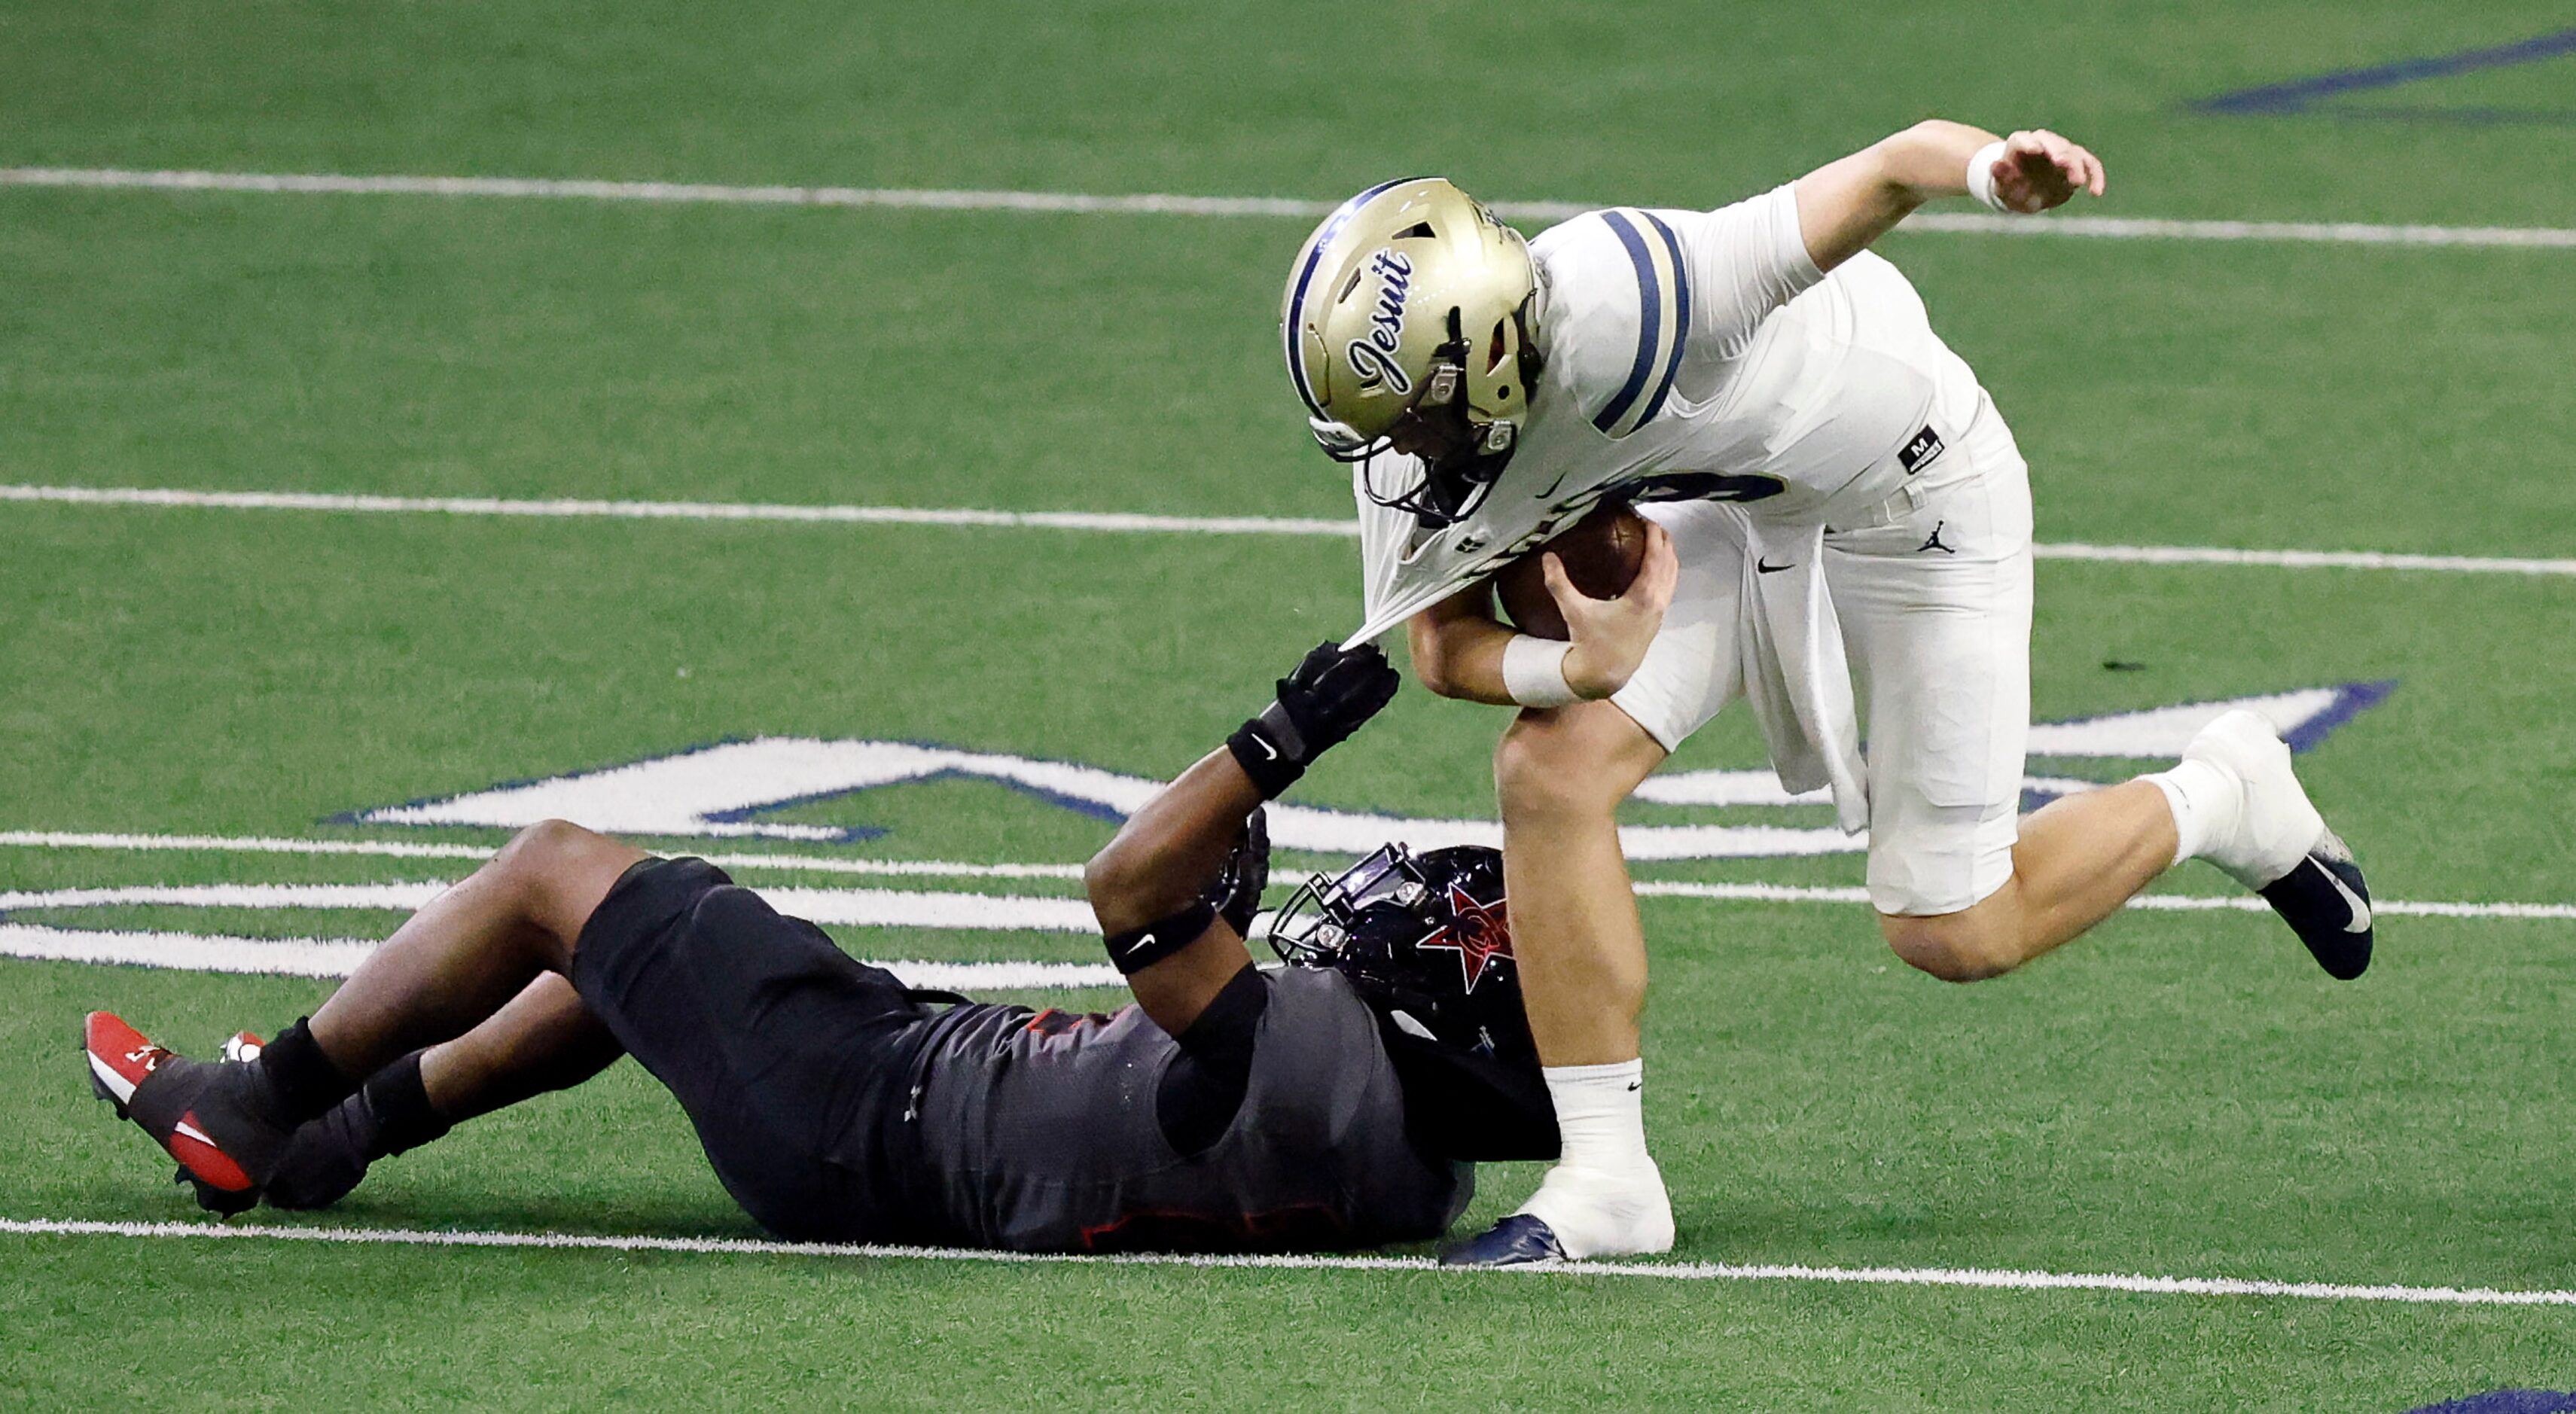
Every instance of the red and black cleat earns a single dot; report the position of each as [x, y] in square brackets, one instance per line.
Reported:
[203, 1114]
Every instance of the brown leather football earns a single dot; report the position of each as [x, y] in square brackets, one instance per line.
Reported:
[1602, 554]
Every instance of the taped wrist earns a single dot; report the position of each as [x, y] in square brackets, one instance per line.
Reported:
[1139, 948]
[1270, 749]
[1981, 178]
[1534, 671]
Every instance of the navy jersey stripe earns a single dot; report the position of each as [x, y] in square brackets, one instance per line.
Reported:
[1681, 319]
[1650, 310]
[1297, 304]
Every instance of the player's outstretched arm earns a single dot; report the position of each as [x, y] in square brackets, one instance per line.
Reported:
[1148, 886]
[1845, 205]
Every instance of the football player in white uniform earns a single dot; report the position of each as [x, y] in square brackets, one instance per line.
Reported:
[1846, 507]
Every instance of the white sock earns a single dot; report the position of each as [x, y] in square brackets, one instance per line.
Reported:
[1600, 1115]
[2205, 800]
[1605, 1195]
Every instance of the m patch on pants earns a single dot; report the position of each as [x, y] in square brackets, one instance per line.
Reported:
[1918, 452]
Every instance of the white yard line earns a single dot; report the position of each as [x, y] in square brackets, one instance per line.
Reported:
[2309, 232]
[1121, 523]
[675, 510]
[1156, 204]
[695, 193]
[2158, 903]
[1976, 1277]
[854, 908]
[2302, 559]
[338, 957]
[876, 907]
[400, 849]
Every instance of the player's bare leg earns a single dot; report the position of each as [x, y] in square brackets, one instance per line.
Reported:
[541, 1040]
[1582, 957]
[472, 949]
[1581, 950]
[2232, 800]
[450, 968]
[2077, 862]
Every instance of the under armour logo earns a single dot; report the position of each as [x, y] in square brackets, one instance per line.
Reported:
[1933, 541]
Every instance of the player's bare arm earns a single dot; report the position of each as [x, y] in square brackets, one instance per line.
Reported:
[1845, 205]
[1157, 868]
[1458, 644]
[1149, 886]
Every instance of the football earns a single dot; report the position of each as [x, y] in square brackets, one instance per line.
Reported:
[1602, 553]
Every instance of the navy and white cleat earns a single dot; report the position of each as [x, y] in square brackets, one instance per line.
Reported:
[2325, 902]
[1521, 1240]
[2280, 846]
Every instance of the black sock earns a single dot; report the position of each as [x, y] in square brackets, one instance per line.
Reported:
[302, 1081]
[405, 1119]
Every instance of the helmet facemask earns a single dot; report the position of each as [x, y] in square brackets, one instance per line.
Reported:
[1455, 479]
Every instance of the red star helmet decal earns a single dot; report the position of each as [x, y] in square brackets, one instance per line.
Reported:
[1477, 934]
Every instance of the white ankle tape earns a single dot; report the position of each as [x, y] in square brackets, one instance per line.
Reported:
[2203, 799]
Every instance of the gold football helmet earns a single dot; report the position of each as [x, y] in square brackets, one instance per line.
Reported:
[1413, 299]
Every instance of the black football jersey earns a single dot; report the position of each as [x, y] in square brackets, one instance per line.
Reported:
[1036, 1131]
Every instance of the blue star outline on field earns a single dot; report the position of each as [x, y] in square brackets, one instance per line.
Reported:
[736, 789]
[1476, 933]
[2321, 93]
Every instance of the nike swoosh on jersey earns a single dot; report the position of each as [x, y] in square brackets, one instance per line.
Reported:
[1766, 567]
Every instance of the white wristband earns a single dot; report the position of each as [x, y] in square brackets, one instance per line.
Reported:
[1981, 177]
[1534, 671]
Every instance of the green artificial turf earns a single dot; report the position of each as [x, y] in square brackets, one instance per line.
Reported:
[2181, 1093]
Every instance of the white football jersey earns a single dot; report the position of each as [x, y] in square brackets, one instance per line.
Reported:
[1691, 355]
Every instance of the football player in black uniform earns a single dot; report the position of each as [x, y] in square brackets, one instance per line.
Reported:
[1339, 1101]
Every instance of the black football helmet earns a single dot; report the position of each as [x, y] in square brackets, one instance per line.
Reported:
[1425, 940]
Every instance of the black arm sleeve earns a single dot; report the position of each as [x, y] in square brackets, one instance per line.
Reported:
[1205, 1083]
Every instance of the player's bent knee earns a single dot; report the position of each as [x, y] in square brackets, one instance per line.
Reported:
[1950, 946]
[557, 872]
[539, 848]
[1544, 769]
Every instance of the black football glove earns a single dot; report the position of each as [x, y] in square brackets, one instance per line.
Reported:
[1320, 704]
[1235, 893]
